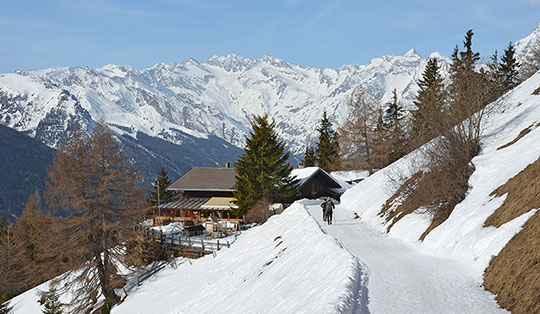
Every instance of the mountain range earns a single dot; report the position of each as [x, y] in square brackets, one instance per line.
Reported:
[197, 113]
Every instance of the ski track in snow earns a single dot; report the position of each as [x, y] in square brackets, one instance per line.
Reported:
[400, 279]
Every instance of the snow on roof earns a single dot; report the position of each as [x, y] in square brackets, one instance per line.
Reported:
[303, 174]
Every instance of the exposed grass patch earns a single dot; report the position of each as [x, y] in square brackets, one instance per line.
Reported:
[514, 274]
[523, 195]
[520, 135]
[396, 206]
[537, 91]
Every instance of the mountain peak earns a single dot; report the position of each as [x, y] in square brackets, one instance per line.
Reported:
[411, 53]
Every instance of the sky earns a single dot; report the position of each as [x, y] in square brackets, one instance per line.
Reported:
[311, 33]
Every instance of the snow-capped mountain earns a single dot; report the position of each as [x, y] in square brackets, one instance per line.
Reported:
[216, 97]
[192, 101]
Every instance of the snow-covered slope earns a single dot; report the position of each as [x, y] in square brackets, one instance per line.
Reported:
[462, 236]
[284, 266]
[216, 97]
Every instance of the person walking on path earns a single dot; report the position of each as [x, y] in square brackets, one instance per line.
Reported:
[323, 206]
[329, 211]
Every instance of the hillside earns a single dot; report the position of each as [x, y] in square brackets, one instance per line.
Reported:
[24, 161]
[502, 199]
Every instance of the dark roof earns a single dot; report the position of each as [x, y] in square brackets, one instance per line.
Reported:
[205, 179]
[192, 203]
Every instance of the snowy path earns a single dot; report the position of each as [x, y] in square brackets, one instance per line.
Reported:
[402, 280]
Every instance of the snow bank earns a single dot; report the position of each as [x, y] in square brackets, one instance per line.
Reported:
[462, 236]
[286, 265]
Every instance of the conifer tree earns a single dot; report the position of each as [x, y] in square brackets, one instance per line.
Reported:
[93, 184]
[357, 135]
[327, 146]
[395, 129]
[508, 68]
[49, 301]
[33, 240]
[309, 157]
[11, 259]
[159, 193]
[263, 170]
[429, 103]
[469, 93]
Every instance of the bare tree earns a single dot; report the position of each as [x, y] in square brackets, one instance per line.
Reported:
[361, 135]
[92, 183]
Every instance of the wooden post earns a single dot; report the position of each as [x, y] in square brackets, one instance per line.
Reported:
[202, 244]
[228, 244]
[218, 245]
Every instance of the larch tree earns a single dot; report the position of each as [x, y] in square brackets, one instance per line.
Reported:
[32, 234]
[159, 193]
[263, 171]
[357, 135]
[93, 184]
[11, 260]
[327, 151]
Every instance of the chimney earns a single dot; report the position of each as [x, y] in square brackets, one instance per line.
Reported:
[227, 164]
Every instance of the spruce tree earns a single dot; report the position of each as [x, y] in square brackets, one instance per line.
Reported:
[159, 193]
[327, 146]
[309, 157]
[429, 104]
[263, 170]
[49, 300]
[395, 129]
[508, 68]
[470, 91]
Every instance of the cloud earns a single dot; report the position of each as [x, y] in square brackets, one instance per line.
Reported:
[319, 16]
[534, 2]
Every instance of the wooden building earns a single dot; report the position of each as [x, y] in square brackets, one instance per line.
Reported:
[209, 191]
[202, 192]
[314, 182]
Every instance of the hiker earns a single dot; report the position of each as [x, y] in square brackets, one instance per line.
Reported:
[323, 206]
[329, 210]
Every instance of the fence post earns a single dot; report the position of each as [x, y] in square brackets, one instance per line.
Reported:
[202, 244]
[218, 245]
[228, 245]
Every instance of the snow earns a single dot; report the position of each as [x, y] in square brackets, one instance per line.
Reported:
[400, 279]
[462, 236]
[284, 266]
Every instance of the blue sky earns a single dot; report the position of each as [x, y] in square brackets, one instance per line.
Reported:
[40, 34]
